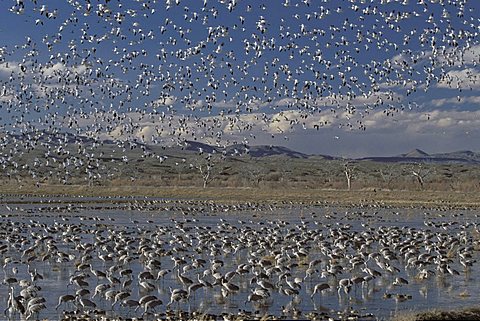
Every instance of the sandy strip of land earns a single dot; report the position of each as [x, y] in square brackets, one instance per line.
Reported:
[223, 194]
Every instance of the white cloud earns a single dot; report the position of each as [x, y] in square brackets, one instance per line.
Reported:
[460, 100]
[329, 132]
[7, 94]
[445, 122]
[224, 104]
[10, 67]
[292, 120]
[459, 66]
[8, 98]
[60, 69]
[255, 104]
[54, 69]
[471, 55]
[284, 102]
[146, 133]
[461, 79]
[165, 101]
[460, 57]
[334, 100]
[195, 104]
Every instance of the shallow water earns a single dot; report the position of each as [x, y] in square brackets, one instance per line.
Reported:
[179, 225]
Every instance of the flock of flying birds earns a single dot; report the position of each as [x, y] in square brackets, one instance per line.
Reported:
[163, 71]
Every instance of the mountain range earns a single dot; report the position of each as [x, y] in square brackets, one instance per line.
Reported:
[415, 155]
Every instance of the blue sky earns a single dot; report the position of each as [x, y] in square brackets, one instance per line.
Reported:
[349, 78]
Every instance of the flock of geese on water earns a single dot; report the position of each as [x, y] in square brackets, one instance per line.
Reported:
[201, 256]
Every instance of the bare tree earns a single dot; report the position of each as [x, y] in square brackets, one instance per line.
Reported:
[349, 168]
[388, 174]
[180, 168]
[205, 166]
[256, 174]
[420, 173]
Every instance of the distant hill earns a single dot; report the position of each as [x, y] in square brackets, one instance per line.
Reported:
[257, 151]
[466, 155]
[239, 149]
[199, 147]
[417, 155]
[51, 137]
[264, 151]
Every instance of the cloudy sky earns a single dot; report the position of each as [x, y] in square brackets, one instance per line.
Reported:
[346, 78]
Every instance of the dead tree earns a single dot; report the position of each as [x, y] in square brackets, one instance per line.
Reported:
[388, 175]
[420, 173]
[205, 168]
[348, 170]
[180, 168]
[256, 174]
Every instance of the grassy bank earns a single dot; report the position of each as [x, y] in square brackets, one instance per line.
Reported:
[465, 314]
[223, 194]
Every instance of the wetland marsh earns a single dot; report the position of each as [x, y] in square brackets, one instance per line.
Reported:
[111, 257]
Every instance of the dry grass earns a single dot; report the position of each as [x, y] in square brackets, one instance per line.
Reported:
[465, 314]
[226, 194]
[180, 168]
